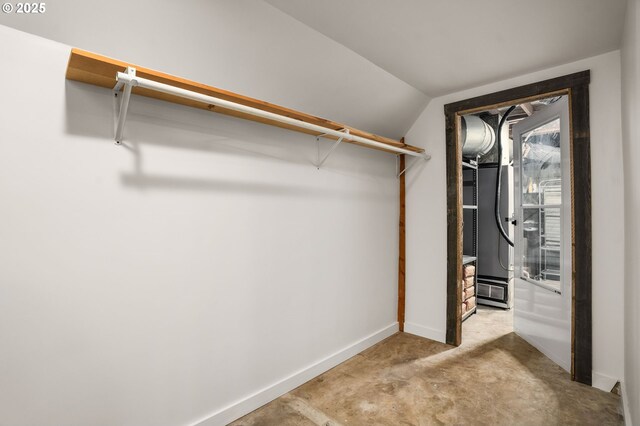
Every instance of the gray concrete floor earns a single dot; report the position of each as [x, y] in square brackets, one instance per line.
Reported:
[493, 378]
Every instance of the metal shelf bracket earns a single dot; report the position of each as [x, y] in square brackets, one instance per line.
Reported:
[319, 162]
[409, 166]
[120, 111]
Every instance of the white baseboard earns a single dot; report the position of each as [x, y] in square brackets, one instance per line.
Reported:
[428, 332]
[602, 381]
[625, 405]
[263, 396]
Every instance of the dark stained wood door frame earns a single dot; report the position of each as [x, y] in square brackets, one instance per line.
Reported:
[576, 86]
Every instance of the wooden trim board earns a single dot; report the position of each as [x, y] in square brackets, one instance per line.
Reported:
[576, 86]
[101, 71]
[519, 94]
[581, 332]
[453, 158]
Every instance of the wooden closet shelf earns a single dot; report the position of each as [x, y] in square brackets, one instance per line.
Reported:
[101, 71]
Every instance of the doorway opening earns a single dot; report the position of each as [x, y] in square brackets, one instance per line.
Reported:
[519, 224]
[514, 213]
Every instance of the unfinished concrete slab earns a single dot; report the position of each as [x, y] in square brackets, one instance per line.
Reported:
[493, 378]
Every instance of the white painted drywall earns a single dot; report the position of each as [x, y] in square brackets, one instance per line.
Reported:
[631, 151]
[170, 279]
[427, 220]
[246, 46]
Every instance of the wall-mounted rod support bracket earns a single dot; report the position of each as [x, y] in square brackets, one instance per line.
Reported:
[320, 162]
[125, 87]
[410, 165]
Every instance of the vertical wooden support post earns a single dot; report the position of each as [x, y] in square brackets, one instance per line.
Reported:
[401, 246]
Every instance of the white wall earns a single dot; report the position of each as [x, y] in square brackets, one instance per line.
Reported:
[427, 221]
[168, 280]
[246, 46]
[631, 151]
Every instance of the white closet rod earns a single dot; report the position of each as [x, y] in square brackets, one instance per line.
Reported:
[132, 80]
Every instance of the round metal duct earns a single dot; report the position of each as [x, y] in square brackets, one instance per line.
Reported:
[477, 136]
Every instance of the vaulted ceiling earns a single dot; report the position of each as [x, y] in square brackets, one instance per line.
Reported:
[373, 64]
[441, 46]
